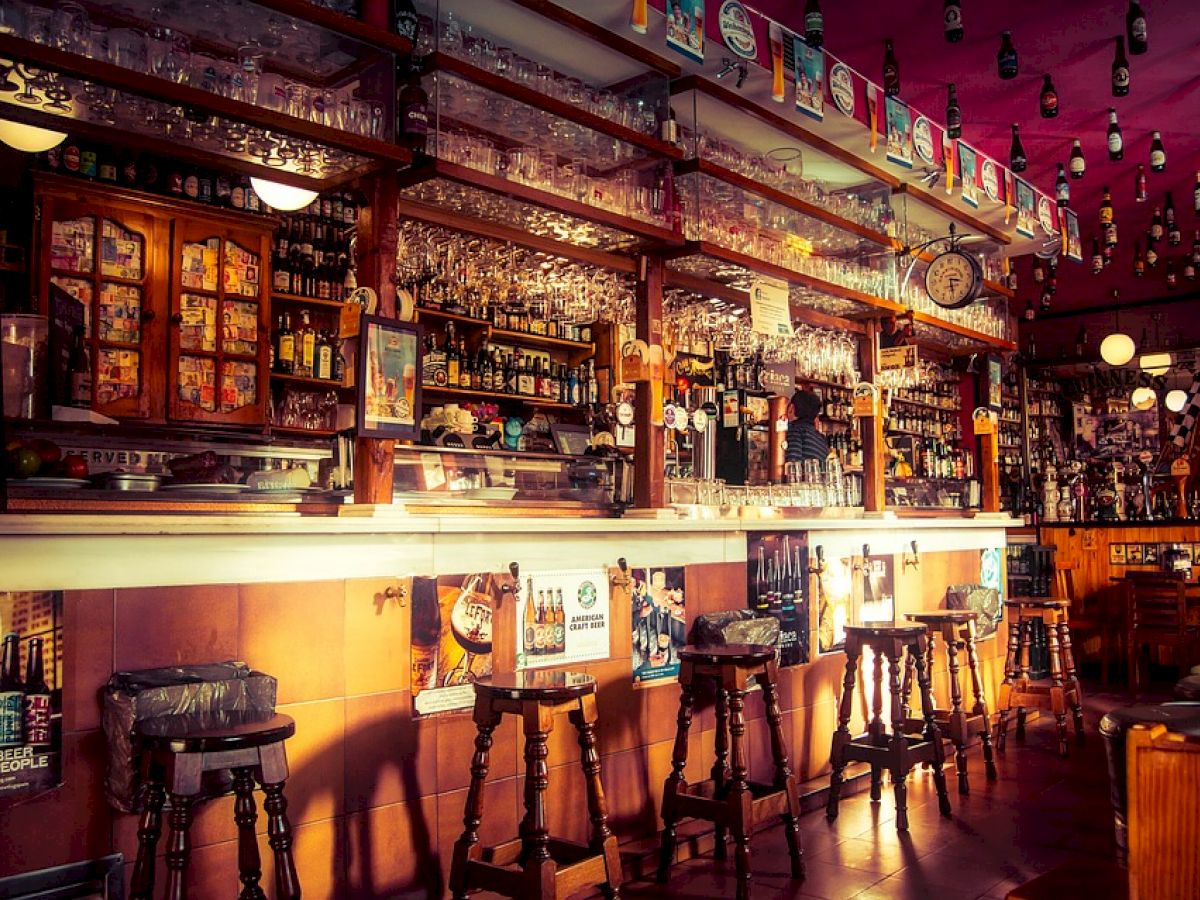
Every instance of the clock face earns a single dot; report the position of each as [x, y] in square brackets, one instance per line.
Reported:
[952, 280]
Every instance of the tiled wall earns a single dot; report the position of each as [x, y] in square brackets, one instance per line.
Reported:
[376, 796]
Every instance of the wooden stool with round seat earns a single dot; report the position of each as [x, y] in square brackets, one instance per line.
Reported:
[899, 750]
[536, 866]
[957, 630]
[175, 753]
[1018, 689]
[728, 799]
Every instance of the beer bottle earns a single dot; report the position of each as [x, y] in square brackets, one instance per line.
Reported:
[560, 625]
[1017, 160]
[1156, 226]
[1173, 235]
[1158, 153]
[1139, 260]
[1062, 187]
[891, 70]
[1097, 257]
[1120, 70]
[529, 638]
[412, 127]
[1135, 29]
[1077, 163]
[426, 633]
[1106, 207]
[952, 20]
[953, 113]
[814, 24]
[12, 698]
[540, 642]
[1139, 184]
[1006, 57]
[37, 697]
[1116, 141]
[1049, 98]
[1172, 278]
[1151, 255]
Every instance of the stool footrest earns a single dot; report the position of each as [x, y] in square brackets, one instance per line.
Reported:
[919, 750]
[499, 869]
[701, 800]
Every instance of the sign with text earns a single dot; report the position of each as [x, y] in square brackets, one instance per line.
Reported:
[564, 618]
[777, 585]
[659, 622]
[770, 309]
[894, 358]
[451, 638]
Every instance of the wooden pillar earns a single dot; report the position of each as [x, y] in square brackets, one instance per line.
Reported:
[648, 479]
[874, 445]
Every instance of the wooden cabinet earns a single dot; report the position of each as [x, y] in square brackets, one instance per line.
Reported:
[173, 297]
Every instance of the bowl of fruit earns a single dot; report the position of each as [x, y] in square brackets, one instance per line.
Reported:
[38, 462]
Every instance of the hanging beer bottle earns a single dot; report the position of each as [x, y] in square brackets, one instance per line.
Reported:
[1006, 57]
[1120, 70]
[891, 70]
[1116, 142]
[1135, 29]
[1158, 153]
[953, 114]
[1017, 160]
[1062, 187]
[952, 20]
[1049, 98]
[1077, 163]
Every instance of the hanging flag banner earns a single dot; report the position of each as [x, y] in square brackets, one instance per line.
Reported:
[810, 79]
[1026, 207]
[923, 139]
[737, 31]
[899, 132]
[1072, 242]
[775, 38]
[639, 16]
[967, 161]
[841, 88]
[685, 28]
[873, 114]
[990, 176]
[1046, 217]
[948, 154]
[1008, 195]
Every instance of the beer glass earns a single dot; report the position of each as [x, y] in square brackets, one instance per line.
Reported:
[775, 34]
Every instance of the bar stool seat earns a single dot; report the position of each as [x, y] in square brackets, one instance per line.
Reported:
[175, 752]
[957, 630]
[1188, 688]
[727, 798]
[536, 866]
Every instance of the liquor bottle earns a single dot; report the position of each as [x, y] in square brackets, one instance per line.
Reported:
[1173, 235]
[285, 347]
[1077, 163]
[1172, 278]
[307, 261]
[560, 624]
[324, 356]
[404, 19]
[1017, 160]
[12, 698]
[79, 371]
[450, 348]
[237, 192]
[1139, 184]
[412, 106]
[37, 697]
[1120, 70]
[1062, 187]
[106, 167]
[814, 24]
[529, 635]
[464, 364]
[1156, 226]
[1135, 28]
[1158, 153]
[1139, 260]
[593, 395]
[1106, 207]
[1097, 257]
[953, 113]
[525, 377]
[1189, 265]
[1006, 57]
[426, 633]
[1049, 99]
[668, 128]
[891, 70]
[952, 20]
[1116, 142]
[306, 346]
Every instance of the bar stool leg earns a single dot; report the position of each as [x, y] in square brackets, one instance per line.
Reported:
[1011, 671]
[898, 752]
[1057, 698]
[539, 866]
[602, 841]
[876, 730]
[958, 718]
[154, 795]
[931, 732]
[179, 846]
[466, 847]
[245, 815]
[980, 708]
[675, 781]
[720, 769]
[784, 779]
[1026, 667]
[739, 793]
[1071, 679]
[842, 737]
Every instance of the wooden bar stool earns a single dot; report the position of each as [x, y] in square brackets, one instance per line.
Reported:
[175, 752]
[728, 799]
[1019, 689]
[957, 630]
[536, 865]
[899, 750]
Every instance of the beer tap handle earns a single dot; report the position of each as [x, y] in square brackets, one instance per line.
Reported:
[621, 580]
[515, 588]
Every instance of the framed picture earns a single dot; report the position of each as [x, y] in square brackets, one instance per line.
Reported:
[1072, 243]
[1150, 554]
[899, 132]
[389, 378]
[1116, 554]
[995, 377]
[1133, 554]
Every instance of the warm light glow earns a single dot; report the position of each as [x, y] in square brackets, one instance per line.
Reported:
[1142, 398]
[798, 245]
[282, 196]
[29, 139]
[1117, 349]
[1175, 400]
[1156, 363]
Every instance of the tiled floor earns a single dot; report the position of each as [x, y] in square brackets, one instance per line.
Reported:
[1042, 811]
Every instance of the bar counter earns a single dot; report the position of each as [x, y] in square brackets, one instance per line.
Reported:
[376, 789]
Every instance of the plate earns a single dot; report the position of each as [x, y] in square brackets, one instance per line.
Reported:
[204, 488]
[46, 482]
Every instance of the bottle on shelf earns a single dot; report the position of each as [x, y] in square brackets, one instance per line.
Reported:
[285, 347]
[306, 345]
[412, 107]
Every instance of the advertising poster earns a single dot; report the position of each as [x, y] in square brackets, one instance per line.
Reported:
[389, 399]
[451, 638]
[563, 619]
[1026, 207]
[968, 161]
[30, 694]
[659, 623]
[1072, 243]
[810, 79]
[899, 132]
[685, 28]
[777, 573]
[835, 603]
[879, 590]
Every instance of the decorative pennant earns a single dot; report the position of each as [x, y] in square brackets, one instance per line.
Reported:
[1046, 215]
[990, 176]
[810, 79]
[923, 139]
[639, 16]
[685, 28]
[948, 160]
[1026, 207]
[899, 132]
[873, 114]
[1072, 242]
[841, 88]
[967, 161]
[737, 31]
[1008, 194]
[775, 36]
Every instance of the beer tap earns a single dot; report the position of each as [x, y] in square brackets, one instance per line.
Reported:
[515, 587]
[914, 559]
[623, 580]
[728, 66]
[861, 565]
[396, 594]
[819, 568]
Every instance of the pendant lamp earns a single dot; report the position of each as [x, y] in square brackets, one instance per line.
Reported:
[1118, 348]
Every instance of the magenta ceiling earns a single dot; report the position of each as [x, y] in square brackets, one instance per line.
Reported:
[1073, 41]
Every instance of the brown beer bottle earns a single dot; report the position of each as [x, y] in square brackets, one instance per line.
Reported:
[37, 697]
[12, 698]
[560, 625]
[426, 633]
[530, 635]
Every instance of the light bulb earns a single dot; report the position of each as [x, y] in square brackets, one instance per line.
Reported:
[1156, 363]
[282, 196]
[29, 139]
[1142, 398]
[1117, 349]
[1176, 400]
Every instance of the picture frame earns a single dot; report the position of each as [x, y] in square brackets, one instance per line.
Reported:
[388, 394]
[1116, 554]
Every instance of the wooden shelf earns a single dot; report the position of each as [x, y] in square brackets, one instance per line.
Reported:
[306, 11]
[465, 394]
[425, 312]
[923, 405]
[961, 330]
[311, 382]
[304, 432]
[307, 301]
[542, 340]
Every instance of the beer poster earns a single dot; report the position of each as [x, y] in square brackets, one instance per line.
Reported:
[685, 28]
[810, 79]
[659, 623]
[879, 590]
[30, 694]
[835, 602]
[1026, 207]
[898, 121]
[564, 618]
[777, 576]
[967, 165]
[451, 638]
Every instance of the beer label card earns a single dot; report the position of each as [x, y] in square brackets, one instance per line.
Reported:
[659, 623]
[563, 618]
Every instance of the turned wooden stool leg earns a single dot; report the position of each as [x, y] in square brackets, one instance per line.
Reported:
[179, 846]
[1011, 673]
[906, 687]
[931, 732]
[958, 718]
[153, 797]
[876, 730]
[245, 815]
[842, 737]
[739, 792]
[898, 749]
[1026, 669]
[720, 769]
[274, 772]
[675, 781]
[602, 841]
[980, 708]
[1057, 696]
[1071, 679]
[784, 779]
[466, 848]
[539, 866]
